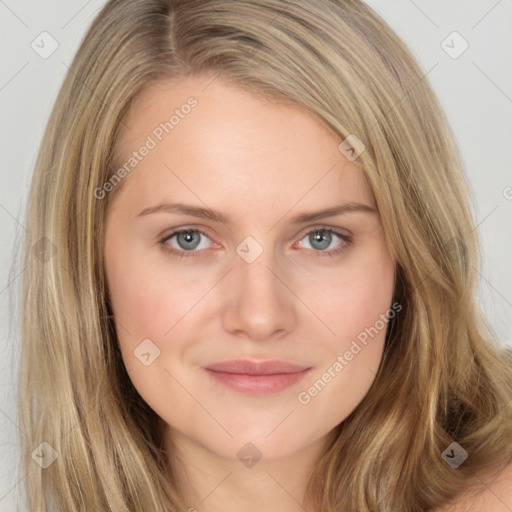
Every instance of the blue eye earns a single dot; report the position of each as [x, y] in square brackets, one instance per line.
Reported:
[187, 241]
[321, 239]
[190, 242]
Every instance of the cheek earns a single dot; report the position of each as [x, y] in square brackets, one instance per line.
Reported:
[356, 303]
[354, 297]
[156, 301]
[146, 305]
[148, 295]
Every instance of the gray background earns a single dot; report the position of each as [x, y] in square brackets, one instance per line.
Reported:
[475, 89]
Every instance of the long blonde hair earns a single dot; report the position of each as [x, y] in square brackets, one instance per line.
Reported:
[444, 376]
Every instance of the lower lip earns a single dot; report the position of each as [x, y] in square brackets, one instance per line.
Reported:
[258, 384]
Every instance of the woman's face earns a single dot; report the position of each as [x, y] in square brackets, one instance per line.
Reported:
[270, 267]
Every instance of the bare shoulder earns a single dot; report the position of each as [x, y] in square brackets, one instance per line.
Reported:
[493, 493]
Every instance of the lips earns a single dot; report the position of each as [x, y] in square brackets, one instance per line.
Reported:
[253, 377]
[246, 367]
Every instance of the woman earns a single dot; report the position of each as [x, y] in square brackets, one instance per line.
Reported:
[187, 343]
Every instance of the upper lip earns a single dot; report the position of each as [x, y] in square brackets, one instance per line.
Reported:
[246, 367]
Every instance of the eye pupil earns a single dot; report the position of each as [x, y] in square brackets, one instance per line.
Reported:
[320, 239]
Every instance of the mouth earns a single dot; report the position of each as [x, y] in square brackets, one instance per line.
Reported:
[256, 378]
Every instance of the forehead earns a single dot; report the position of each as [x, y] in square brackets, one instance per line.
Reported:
[210, 133]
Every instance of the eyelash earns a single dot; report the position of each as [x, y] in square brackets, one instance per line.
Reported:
[333, 252]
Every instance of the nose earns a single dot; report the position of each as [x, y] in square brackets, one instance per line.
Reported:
[259, 305]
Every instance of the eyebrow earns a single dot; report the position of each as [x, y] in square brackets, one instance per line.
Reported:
[209, 214]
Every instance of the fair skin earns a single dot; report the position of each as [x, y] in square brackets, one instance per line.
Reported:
[260, 165]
